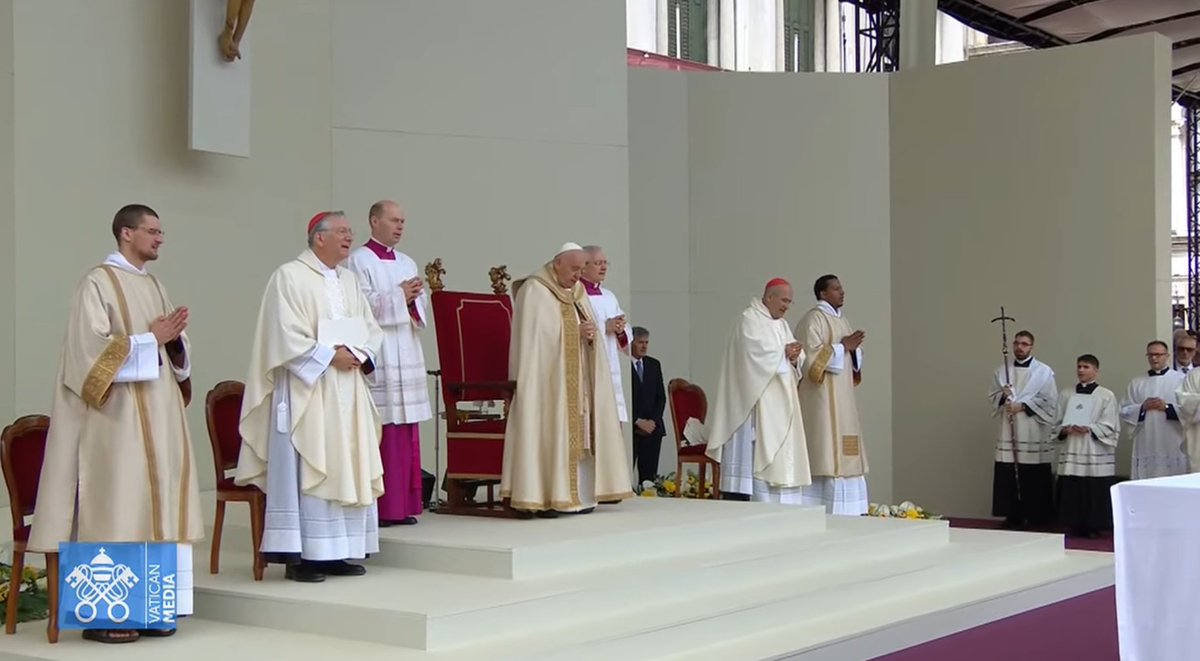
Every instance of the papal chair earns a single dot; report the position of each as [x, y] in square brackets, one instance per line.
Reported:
[688, 401]
[473, 331]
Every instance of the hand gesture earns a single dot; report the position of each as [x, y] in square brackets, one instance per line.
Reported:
[344, 359]
[615, 326]
[854, 340]
[1008, 392]
[792, 351]
[1154, 404]
[412, 289]
[645, 426]
[587, 330]
[169, 327]
[1014, 407]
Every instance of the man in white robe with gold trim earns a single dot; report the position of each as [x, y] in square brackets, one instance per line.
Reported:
[310, 430]
[832, 371]
[118, 465]
[756, 429]
[563, 447]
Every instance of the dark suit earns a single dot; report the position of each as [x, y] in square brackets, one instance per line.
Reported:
[649, 401]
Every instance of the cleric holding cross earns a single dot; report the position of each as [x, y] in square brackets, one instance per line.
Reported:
[755, 426]
[310, 431]
[563, 446]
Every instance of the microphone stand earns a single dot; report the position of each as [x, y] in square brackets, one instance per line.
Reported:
[435, 498]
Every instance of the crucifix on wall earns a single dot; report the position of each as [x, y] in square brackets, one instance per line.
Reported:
[221, 61]
[237, 16]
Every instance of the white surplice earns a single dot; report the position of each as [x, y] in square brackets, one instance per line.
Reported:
[399, 384]
[344, 523]
[606, 306]
[1093, 454]
[1158, 442]
[1033, 387]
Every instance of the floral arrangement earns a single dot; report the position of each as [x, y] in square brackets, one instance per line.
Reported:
[905, 510]
[666, 486]
[34, 603]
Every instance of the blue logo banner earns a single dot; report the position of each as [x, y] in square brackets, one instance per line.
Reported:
[127, 585]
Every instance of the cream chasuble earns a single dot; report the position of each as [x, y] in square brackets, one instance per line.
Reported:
[1188, 397]
[119, 448]
[328, 414]
[1034, 388]
[827, 395]
[563, 447]
[1159, 448]
[755, 415]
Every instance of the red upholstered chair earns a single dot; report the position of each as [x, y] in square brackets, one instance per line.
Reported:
[22, 449]
[688, 401]
[473, 332]
[223, 411]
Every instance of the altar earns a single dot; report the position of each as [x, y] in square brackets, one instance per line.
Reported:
[1156, 537]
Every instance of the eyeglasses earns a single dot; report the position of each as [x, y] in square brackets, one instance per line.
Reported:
[1156, 355]
[342, 231]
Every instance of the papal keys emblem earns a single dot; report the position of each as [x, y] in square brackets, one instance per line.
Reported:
[102, 582]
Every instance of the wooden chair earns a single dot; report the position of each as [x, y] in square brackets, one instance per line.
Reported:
[22, 450]
[473, 330]
[223, 412]
[687, 400]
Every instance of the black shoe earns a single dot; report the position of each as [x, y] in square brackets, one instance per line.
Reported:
[342, 568]
[304, 572]
[610, 502]
[588, 510]
[407, 521]
[547, 514]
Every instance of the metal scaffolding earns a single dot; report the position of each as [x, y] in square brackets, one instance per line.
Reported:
[1191, 142]
[876, 26]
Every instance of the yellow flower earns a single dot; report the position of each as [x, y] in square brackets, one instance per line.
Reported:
[648, 493]
[912, 514]
[30, 574]
[669, 485]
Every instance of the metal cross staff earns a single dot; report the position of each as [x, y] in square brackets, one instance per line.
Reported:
[1012, 421]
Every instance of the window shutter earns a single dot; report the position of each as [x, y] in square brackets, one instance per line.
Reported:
[798, 19]
[687, 29]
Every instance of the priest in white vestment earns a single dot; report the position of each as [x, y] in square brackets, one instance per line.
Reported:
[832, 371]
[1025, 398]
[563, 447]
[610, 317]
[755, 427]
[118, 464]
[392, 284]
[310, 432]
[1188, 397]
[1150, 409]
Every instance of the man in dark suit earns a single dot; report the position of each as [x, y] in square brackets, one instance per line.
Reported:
[649, 400]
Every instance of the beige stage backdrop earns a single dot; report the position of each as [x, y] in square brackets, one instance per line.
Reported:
[786, 175]
[1037, 181]
[501, 152]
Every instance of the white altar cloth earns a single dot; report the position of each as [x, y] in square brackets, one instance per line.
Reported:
[1157, 543]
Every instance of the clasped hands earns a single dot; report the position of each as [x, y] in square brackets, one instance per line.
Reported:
[344, 359]
[792, 351]
[854, 340]
[169, 327]
[615, 326]
[647, 427]
[1076, 429]
[1154, 404]
[412, 288]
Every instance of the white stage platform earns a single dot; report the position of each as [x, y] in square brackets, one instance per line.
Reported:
[648, 579]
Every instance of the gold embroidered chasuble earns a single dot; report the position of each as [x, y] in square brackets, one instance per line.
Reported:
[122, 451]
[828, 400]
[563, 445]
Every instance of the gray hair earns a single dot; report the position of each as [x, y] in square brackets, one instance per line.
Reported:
[323, 226]
[592, 250]
[640, 332]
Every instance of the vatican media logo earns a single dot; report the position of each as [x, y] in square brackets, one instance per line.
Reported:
[117, 586]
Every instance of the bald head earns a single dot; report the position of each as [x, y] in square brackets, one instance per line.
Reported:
[568, 266]
[387, 222]
[777, 298]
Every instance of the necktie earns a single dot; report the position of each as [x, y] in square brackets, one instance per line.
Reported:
[638, 365]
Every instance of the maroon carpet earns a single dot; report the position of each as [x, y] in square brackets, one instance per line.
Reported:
[1084, 627]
